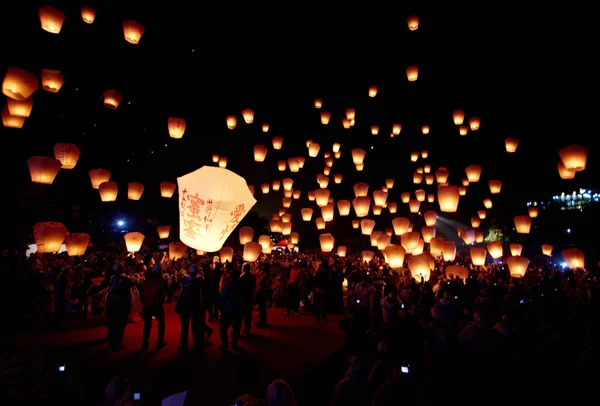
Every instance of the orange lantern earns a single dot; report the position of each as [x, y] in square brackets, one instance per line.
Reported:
[474, 123]
[533, 212]
[265, 242]
[448, 197]
[361, 206]
[358, 155]
[574, 258]
[327, 212]
[76, 244]
[495, 249]
[265, 188]
[163, 232]
[133, 31]
[355, 224]
[306, 214]
[374, 129]
[372, 91]
[515, 249]
[425, 129]
[522, 224]
[43, 169]
[327, 242]
[457, 271]
[52, 80]
[231, 122]
[177, 250]
[18, 84]
[441, 175]
[88, 15]
[473, 173]
[252, 251]
[394, 255]
[420, 267]
[511, 144]
[458, 116]
[167, 189]
[412, 73]
[463, 130]
[325, 117]
[487, 203]
[428, 233]
[495, 186]
[517, 266]
[134, 190]
[49, 236]
[176, 127]
[414, 205]
[367, 226]
[226, 254]
[344, 207]
[277, 142]
[367, 255]
[133, 241]
[413, 22]
[396, 128]
[430, 218]
[51, 19]
[565, 173]
[112, 99]
[98, 176]
[248, 116]
[246, 234]
[21, 109]
[341, 251]
[392, 207]
[574, 157]
[260, 153]
[547, 249]
[449, 251]
[318, 103]
[108, 191]
[222, 162]
[67, 154]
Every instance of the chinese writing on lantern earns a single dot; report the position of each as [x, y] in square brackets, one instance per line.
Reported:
[235, 218]
[197, 214]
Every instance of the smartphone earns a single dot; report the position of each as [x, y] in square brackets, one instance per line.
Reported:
[405, 368]
[402, 306]
[136, 396]
[61, 368]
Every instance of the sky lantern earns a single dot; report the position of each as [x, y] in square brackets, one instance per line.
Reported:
[167, 189]
[246, 234]
[176, 127]
[265, 242]
[479, 237]
[76, 244]
[462, 191]
[294, 164]
[474, 123]
[260, 153]
[420, 267]
[420, 195]
[448, 197]
[98, 176]
[367, 255]
[277, 142]
[467, 235]
[372, 91]
[318, 103]
[478, 256]
[414, 205]
[448, 251]
[393, 207]
[320, 223]
[287, 183]
[511, 144]
[223, 162]
[163, 231]
[394, 255]
[276, 184]
[307, 214]
[281, 165]
[574, 258]
[414, 156]
[475, 222]
[376, 209]
[417, 178]
[362, 206]
[286, 202]
[428, 233]
[389, 183]
[11, 121]
[231, 122]
[367, 226]
[301, 161]
[441, 175]
[405, 197]
[108, 191]
[226, 254]
[515, 249]
[565, 173]
[522, 224]
[325, 117]
[43, 169]
[313, 150]
[359, 167]
[482, 214]
[457, 271]
[413, 22]
[410, 240]
[344, 207]
[51, 19]
[133, 241]
[134, 190]
[463, 130]
[212, 202]
[329, 161]
[495, 186]
[215, 158]
[19, 108]
[533, 212]
[336, 147]
[275, 226]
[177, 250]
[133, 31]
[346, 122]
[374, 129]
[252, 251]
[341, 251]
[361, 189]
[425, 129]
[495, 249]
[322, 180]
[458, 116]
[430, 198]
[337, 178]
[67, 154]
[88, 14]
[355, 224]
[265, 127]
[112, 98]
[396, 128]
[52, 80]
[327, 242]
[465, 182]
[380, 197]
[49, 236]
[473, 173]
[517, 266]
[430, 217]
[487, 203]
[412, 73]
[19, 84]
[248, 115]
[574, 157]
[327, 212]
[383, 240]
[547, 249]
[322, 197]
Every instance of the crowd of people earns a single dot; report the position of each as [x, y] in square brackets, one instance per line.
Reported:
[406, 339]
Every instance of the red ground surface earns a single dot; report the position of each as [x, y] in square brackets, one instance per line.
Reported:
[290, 348]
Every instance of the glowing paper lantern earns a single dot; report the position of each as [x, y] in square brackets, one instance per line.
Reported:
[487, 203]
[212, 203]
[547, 249]
[133, 31]
[19, 108]
[163, 231]
[473, 173]
[358, 155]
[51, 19]
[226, 254]
[112, 98]
[88, 15]
[246, 234]
[515, 249]
[533, 212]
[414, 205]
[177, 250]
[380, 197]
[511, 144]
[76, 244]
[248, 116]
[420, 267]
[448, 197]
[260, 153]
[565, 173]
[52, 80]
[98, 176]
[474, 123]
[361, 206]
[413, 22]
[49, 236]
[458, 116]
[108, 191]
[325, 117]
[449, 250]
[495, 249]
[395, 255]
[133, 241]
[428, 233]
[367, 226]
[327, 242]
[231, 122]
[574, 258]
[457, 271]
[67, 154]
[441, 175]
[43, 169]
[367, 255]
[412, 73]
[176, 127]
[134, 190]
[344, 207]
[306, 214]
[19, 84]
[222, 162]
[574, 157]
[341, 251]
[361, 189]
[522, 224]
[252, 251]
[517, 266]
[265, 242]
[495, 186]
[167, 189]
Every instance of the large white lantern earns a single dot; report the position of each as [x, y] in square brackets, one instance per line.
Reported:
[212, 202]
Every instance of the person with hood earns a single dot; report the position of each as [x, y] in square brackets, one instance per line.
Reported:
[118, 304]
[152, 294]
[190, 306]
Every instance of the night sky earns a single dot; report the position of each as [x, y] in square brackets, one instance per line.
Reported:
[526, 75]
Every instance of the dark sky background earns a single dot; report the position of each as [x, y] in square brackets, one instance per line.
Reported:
[528, 74]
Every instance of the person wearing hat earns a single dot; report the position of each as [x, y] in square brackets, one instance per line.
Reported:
[190, 307]
[118, 304]
[152, 294]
